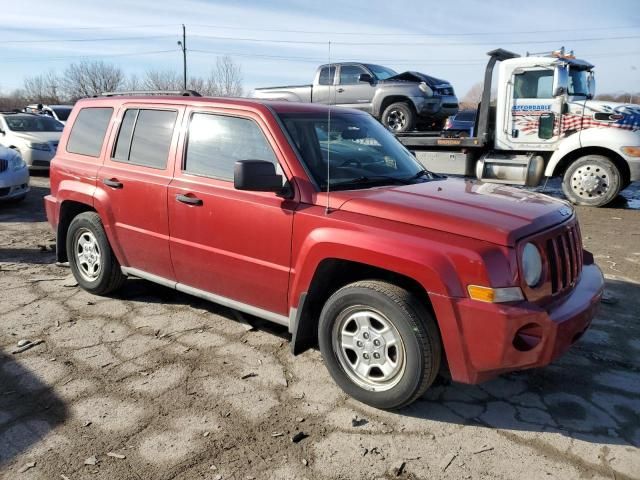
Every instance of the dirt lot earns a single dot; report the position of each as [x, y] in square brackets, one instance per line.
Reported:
[178, 388]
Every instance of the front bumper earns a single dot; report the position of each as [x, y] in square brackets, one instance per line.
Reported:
[37, 159]
[436, 107]
[634, 167]
[14, 184]
[491, 335]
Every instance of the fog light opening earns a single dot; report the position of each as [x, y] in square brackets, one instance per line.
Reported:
[528, 337]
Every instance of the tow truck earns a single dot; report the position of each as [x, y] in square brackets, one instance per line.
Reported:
[544, 123]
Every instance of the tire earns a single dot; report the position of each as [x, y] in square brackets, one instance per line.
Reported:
[399, 117]
[592, 180]
[91, 259]
[354, 315]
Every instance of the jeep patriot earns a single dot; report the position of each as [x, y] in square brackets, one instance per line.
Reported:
[318, 219]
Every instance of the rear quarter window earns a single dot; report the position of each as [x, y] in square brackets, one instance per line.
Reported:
[88, 131]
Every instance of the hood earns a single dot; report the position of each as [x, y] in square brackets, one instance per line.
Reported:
[491, 212]
[418, 77]
[39, 137]
[8, 153]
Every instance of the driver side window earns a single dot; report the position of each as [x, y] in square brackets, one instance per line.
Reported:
[534, 84]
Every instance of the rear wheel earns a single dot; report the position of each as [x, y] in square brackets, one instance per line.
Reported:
[399, 117]
[380, 344]
[91, 259]
[592, 180]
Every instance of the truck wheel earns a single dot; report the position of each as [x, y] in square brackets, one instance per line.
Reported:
[380, 344]
[91, 259]
[399, 117]
[592, 180]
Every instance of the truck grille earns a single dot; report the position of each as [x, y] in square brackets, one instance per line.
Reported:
[564, 254]
[4, 164]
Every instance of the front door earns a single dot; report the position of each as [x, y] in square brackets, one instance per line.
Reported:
[133, 181]
[230, 243]
[351, 92]
[534, 112]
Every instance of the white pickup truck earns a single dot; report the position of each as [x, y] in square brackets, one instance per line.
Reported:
[402, 102]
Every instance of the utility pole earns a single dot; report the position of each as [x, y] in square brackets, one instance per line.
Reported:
[183, 47]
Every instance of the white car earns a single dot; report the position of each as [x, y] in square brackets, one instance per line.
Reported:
[59, 112]
[14, 175]
[34, 137]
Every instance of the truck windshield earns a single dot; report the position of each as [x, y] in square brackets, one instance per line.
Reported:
[578, 82]
[359, 151]
[380, 72]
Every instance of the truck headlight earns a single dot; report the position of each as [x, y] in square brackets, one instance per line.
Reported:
[16, 163]
[531, 264]
[40, 146]
[425, 88]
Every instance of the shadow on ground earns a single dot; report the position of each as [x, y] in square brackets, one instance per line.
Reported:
[29, 409]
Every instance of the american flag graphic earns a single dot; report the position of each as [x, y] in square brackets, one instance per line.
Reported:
[527, 122]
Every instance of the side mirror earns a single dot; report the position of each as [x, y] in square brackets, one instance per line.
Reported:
[365, 78]
[591, 84]
[256, 176]
[561, 80]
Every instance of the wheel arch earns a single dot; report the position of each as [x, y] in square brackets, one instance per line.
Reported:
[388, 100]
[69, 209]
[557, 167]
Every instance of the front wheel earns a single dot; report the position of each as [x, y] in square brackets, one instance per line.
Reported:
[380, 344]
[399, 117]
[592, 180]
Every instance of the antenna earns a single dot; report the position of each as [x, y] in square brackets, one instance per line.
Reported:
[327, 210]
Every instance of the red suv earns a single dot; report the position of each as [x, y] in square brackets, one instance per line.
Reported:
[317, 218]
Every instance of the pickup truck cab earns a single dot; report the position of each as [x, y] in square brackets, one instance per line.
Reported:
[401, 102]
[318, 219]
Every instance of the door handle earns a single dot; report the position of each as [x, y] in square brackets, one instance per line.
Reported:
[340, 90]
[112, 182]
[189, 200]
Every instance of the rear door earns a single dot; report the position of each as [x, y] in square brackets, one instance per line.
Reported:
[230, 243]
[133, 181]
[351, 92]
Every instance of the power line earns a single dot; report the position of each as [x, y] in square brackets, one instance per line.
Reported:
[438, 43]
[420, 34]
[110, 39]
[112, 27]
[71, 57]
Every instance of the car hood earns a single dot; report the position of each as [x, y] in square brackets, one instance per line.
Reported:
[418, 77]
[8, 153]
[491, 212]
[38, 136]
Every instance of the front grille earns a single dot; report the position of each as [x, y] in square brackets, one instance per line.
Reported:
[4, 164]
[450, 105]
[564, 254]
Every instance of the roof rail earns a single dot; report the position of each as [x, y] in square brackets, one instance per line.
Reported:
[180, 93]
[15, 111]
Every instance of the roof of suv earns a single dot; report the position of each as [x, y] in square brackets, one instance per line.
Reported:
[278, 106]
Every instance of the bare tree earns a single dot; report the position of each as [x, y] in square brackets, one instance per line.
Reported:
[44, 88]
[225, 79]
[162, 80]
[132, 83]
[472, 98]
[89, 78]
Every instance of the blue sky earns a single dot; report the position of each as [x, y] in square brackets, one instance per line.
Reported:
[282, 41]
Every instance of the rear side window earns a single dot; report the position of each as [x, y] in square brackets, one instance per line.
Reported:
[145, 137]
[216, 142]
[326, 75]
[88, 131]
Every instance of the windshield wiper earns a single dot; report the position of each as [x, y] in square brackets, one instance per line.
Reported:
[424, 173]
[371, 179]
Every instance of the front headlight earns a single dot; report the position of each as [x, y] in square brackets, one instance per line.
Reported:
[531, 265]
[40, 146]
[16, 163]
[425, 88]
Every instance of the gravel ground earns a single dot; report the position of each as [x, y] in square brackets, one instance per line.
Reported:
[153, 384]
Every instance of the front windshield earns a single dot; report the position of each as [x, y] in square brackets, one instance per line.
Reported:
[62, 113]
[359, 150]
[32, 123]
[578, 82]
[380, 72]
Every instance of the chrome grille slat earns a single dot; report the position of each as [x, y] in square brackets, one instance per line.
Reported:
[4, 164]
[564, 256]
